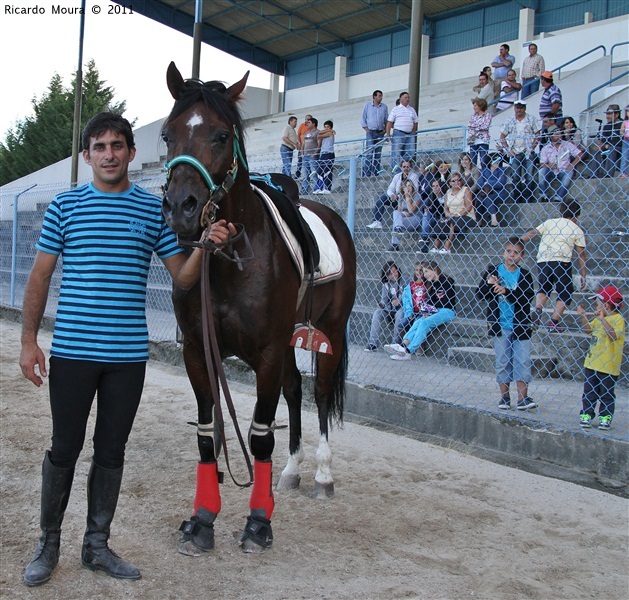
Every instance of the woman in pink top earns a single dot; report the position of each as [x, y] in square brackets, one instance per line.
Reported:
[478, 132]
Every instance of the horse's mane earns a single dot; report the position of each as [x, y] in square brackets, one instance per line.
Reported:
[215, 97]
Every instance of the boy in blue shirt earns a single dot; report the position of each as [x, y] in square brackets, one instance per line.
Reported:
[508, 290]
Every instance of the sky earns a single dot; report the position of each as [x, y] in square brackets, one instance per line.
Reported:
[131, 53]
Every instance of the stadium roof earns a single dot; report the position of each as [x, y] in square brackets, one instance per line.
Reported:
[266, 33]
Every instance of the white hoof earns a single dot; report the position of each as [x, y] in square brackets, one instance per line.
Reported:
[322, 491]
[288, 482]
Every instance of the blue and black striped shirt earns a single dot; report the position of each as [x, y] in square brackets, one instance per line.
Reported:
[106, 241]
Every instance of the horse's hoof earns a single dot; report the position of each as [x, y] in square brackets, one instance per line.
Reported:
[288, 482]
[189, 549]
[250, 547]
[323, 491]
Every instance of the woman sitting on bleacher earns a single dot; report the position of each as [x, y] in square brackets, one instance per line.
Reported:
[458, 215]
[469, 171]
[438, 311]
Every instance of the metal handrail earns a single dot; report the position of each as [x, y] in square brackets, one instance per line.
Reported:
[578, 58]
[611, 51]
[598, 87]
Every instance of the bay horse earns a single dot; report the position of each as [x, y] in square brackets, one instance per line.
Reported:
[255, 305]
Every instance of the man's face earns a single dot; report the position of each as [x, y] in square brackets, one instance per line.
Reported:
[293, 122]
[503, 51]
[511, 75]
[308, 117]
[549, 123]
[546, 82]
[404, 99]
[555, 136]
[532, 49]
[512, 255]
[109, 156]
[520, 111]
[482, 79]
[378, 98]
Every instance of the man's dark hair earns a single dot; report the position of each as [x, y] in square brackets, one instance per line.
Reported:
[514, 240]
[329, 123]
[483, 74]
[550, 115]
[403, 94]
[291, 118]
[314, 121]
[107, 121]
[375, 93]
[506, 46]
[569, 209]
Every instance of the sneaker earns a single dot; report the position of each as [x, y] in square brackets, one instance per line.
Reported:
[585, 421]
[526, 403]
[375, 225]
[406, 356]
[399, 230]
[395, 349]
[444, 251]
[505, 403]
[433, 251]
[554, 327]
[605, 422]
[325, 192]
[318, 192]
[370, 348]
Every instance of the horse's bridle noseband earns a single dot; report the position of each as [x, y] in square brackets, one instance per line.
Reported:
[217, 192]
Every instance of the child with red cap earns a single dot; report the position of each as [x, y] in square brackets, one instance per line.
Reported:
[602, 362]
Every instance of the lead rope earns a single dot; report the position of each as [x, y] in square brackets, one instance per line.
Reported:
[215, 370]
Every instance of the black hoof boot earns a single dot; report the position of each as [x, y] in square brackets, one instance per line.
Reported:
[258, 535]
[198, 533]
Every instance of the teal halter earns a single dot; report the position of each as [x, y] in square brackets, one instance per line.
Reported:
[217, 192]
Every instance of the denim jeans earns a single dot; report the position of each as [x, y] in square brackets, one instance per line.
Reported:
[378, 320]
[522, 170]
[547, 175]
[287, 159]
[325, 164]
[513, 358]
[308, 166]
[598, 387]
[373, 152]
[380, 209]
[422, 327]
[530, 86]
[402, 147]
[478, 152]
[624, 159]
[412, 223]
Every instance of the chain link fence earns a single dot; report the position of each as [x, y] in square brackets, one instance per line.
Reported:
[514, 188]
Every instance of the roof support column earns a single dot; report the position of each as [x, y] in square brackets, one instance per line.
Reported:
[340, 78]
[414, 59]
[196, 39]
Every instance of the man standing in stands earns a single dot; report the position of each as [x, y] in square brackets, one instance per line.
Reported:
[301, 132]
[501, 64]
[518, 138]
[374, 122]
[290, 143]
[401, 128]
[532, 69]
[551, 101]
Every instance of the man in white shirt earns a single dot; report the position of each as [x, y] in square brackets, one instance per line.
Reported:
[401, 128]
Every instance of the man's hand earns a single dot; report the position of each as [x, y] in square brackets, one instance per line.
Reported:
[219, 231]
[32, 356]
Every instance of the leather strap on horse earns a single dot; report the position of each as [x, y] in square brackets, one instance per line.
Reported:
[215, 371]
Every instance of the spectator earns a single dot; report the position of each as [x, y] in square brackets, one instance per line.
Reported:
[439, 311]
[477, 88]
[301, 132]
[532, 69]
[518, 138]
[478, 132]
[309, 153]
[290, 143]
[560, 238]
[432, 209]
[501, 64]
[602, 363]
[425, 178]
[610, 142]
[624, 132]
[374, 122]
[548, 121]
[469, 172]
[390, 306]
[442, 171]
[458, 216]
[492, 190]
[325, 161]
[571, 133]
[508, 290]
[557, 161]
[414, 301]
[408, 216]
[551, 101]
[509, 91]
[401, 127]
[393, 194]
[485, 88]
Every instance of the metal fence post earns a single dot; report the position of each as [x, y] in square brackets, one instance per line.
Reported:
[14, 241]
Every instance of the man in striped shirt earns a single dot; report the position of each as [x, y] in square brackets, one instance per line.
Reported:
[401, 128]
[106, 232]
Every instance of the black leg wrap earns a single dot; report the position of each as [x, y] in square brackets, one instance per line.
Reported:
[258, 530]
[199, 530]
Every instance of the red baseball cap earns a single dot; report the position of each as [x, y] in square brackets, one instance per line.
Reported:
[611, 294]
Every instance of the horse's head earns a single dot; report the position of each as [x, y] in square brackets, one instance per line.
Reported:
[203, 136]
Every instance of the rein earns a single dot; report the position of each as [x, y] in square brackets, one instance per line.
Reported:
[213, 362]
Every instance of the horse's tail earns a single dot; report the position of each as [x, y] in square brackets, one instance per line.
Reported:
[337, 395]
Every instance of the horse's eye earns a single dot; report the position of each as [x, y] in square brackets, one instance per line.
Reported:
[222, 138]
[165, 137]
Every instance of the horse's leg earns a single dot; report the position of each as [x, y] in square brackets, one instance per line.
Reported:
[198, 532]
[291, 475]
[258, 535]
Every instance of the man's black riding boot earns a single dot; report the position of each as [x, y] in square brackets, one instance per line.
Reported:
[55, 492]
[103, 487]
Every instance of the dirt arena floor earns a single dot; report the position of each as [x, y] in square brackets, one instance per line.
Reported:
[409, 520]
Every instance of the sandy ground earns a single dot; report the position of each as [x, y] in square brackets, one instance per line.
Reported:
[408, 520]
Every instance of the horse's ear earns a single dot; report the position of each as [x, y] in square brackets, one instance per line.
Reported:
[174, 80]
[235, 90]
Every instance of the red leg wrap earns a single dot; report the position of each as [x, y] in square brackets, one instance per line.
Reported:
[262, 493]
[208, 495]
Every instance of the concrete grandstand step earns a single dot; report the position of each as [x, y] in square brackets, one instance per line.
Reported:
[483, 359]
